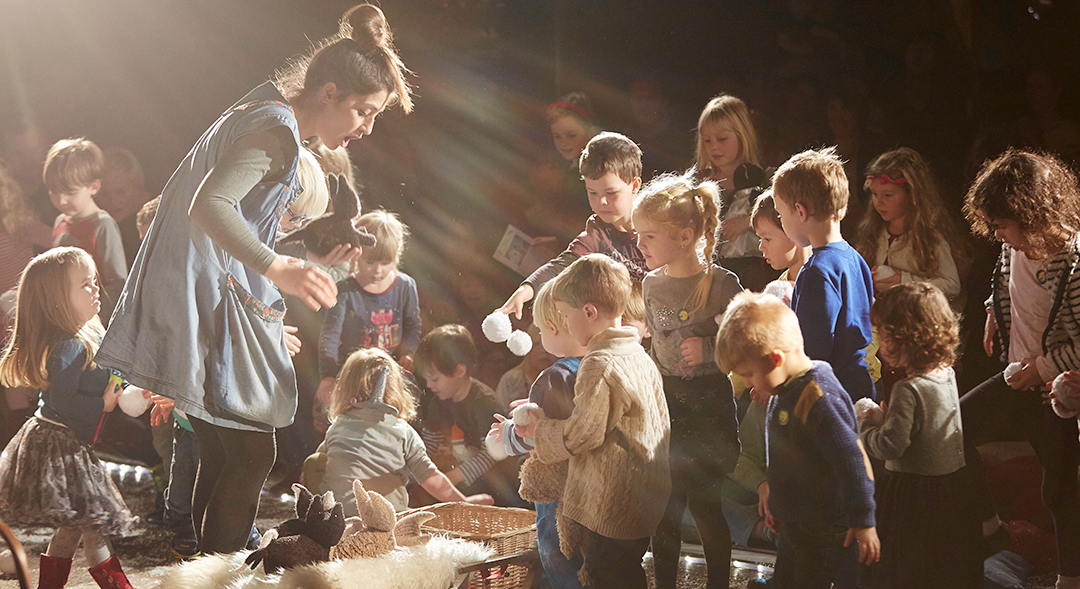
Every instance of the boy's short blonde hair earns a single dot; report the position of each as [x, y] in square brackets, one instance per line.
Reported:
[635, 305]
[815, 179]
[753, 326]
[543, 309]
[594, 279]
[390, 236]
[611, 152]
[72, 164]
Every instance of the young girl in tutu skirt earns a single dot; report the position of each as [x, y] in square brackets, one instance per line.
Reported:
[49, 475]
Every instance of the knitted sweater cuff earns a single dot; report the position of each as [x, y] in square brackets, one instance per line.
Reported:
[548, 438]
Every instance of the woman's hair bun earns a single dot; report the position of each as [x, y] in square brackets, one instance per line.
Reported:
[366, 25]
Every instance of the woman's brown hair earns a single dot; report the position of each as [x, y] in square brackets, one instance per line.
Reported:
[359, 59]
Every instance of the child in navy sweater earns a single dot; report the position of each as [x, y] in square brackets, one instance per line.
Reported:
[542, 483]
[834, 289]
[820, 484]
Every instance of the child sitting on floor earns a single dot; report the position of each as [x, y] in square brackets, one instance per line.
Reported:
[370, 409]
[456, 419]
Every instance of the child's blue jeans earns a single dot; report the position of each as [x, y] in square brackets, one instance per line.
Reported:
[811, 555]
[559, 571]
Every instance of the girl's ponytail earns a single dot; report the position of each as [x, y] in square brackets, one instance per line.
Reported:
[705, 196]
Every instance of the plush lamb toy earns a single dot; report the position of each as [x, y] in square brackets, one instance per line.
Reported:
[299, 542]
[377, 530]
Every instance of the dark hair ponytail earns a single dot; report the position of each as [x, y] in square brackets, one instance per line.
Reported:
[360, 59]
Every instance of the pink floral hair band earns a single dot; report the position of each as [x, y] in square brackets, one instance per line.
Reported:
[885, 179]
[572, 108]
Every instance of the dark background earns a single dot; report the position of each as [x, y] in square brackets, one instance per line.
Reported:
[152, 75]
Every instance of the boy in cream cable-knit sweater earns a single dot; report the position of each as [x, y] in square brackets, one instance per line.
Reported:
[617, 436]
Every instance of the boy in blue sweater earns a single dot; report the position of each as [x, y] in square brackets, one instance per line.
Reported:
[542, 483]
[820, 489]
[834, 290]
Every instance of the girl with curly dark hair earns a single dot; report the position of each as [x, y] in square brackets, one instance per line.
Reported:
[926, 527]
[1031, 203]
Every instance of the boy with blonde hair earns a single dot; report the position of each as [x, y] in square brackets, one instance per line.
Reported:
[72, 174]
[834, 289]
[616, 438]
[820, 488]
[553, 393]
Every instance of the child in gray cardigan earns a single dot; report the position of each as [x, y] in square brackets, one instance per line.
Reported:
[926, 528]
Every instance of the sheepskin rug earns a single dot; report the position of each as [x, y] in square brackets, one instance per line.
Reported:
[428, 566]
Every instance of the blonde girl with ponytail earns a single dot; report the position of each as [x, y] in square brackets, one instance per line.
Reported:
[676, 218]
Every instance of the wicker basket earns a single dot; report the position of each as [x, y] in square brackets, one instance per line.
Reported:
[508, 530]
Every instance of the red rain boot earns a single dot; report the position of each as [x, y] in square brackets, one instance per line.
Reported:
[53, 572]
[109, 575]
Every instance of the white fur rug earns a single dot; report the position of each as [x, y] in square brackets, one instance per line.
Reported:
[430, 566]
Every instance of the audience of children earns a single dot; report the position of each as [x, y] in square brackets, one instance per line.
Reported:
[928, 533]
[49, 476]
[1031, 204]
[834, 288]
[73, 170]
[620, 453]
[820, 489]
[370, 438]
[683, 293]
[616, 438]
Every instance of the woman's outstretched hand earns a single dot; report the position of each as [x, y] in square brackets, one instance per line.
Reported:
[311, 285]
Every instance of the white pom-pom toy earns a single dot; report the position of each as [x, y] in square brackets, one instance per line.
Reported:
[133, 402]
[496, 327]
[527, 413]
[883, 272]
[497, 448]
[7, 562]
[1062, 400]
[866, 408]
[1011, 370]
[781, 289]
[519, 343]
